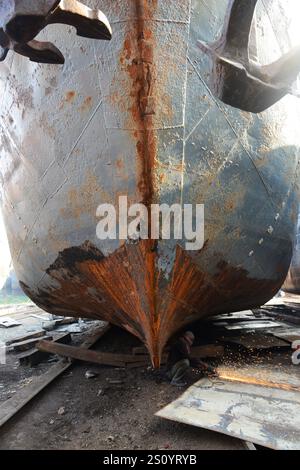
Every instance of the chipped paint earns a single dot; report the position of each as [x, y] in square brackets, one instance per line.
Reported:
[124, 289]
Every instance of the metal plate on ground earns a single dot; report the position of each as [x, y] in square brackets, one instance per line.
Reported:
[289, 334]
[7, 322]
[251, 325]
[258, 341]
[266, 416]
[247, 315]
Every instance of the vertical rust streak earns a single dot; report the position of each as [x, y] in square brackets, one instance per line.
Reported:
[138, 59]
[143, 89]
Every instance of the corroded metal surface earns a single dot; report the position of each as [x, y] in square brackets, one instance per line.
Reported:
[5, 259]
[292, 282]
[135, 117]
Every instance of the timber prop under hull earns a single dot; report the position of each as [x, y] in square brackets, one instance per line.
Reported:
[135, 117]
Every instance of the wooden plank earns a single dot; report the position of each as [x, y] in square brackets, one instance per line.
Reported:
[28, 344]
[102, 358]
[33, 356]
[139, 350]
[10, 407]
[209, 350]
[200, 352]
[143, 351]
[19, 339]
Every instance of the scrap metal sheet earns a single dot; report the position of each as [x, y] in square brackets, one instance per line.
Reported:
[250, 325]
[266, 416]
[258, 342]
[287, 334]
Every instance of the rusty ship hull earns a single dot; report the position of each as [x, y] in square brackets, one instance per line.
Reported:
[135, 117]
[292, 282]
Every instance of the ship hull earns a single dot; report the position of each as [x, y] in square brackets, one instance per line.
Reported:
[135, 117]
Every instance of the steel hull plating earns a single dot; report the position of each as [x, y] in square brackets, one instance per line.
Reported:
[135, 117]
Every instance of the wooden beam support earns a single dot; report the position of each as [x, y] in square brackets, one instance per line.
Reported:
[27, 344]
[95, 357]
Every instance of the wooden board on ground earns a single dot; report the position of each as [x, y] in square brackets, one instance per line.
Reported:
[208, 351]
[95, 357]
[200, 352]
[27, 344]
[19, 339]
[33, 356]
[11, 406]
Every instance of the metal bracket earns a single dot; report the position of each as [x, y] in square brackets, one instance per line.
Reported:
[240, 82]
[22, 20]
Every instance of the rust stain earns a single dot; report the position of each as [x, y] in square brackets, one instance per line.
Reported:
[85, 198]
[68, 98]
[109, 288]
[87, 103]
[137, 58]
[119, 164]
[87, 284]
[193, 294]
[70, 95]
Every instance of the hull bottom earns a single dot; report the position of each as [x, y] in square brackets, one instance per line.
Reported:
[125, 289]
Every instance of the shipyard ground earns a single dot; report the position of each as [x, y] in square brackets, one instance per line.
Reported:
[101, 415]
[114, 410]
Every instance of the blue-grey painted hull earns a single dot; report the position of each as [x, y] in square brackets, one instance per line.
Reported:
[74, 137]
[292, 282]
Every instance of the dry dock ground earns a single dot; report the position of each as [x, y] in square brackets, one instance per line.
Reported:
[114, 410]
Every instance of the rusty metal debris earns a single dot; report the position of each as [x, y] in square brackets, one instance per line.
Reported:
[21, 21]
[236, 79]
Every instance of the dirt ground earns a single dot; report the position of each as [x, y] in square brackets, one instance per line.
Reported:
[114, 410]
[99, 414]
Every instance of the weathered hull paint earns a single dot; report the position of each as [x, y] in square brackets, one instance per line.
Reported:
[134, 117]
[292, 282]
